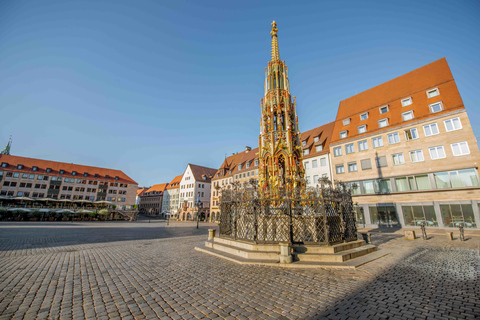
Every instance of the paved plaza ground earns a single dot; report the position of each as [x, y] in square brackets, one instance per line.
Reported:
[142, 270]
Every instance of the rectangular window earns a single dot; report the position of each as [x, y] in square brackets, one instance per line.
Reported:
[393, 138]
[366, 164]
[437, 153]
[362, 145]
[416, 156]
[337, 151]
[315, 178]
[319, 148]
[25, 175]
[304, 142]
[433, 93]
[383, 109]
[346, 122]
[436, 107]
[256, 162]
[308, 180]
[430, 129]
[314, 163]
[307, 164]
[455, 214]
[407, 115]
[323, 162]
[411, 134]
[368, 187]
[16, 175]
[381, 161]
[315, 139]
[383, 123]
[343, 134]
[406, 102]
[340, 169]
[453, 124]
[352, 167]
[349, 148]
[364, 116]
[362, 129]
[460, 148]
[306, 152]
[398, 159]
[416, 215]
[401, 184]
[377, 142]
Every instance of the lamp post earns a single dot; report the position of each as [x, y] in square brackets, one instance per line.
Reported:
[198, 204]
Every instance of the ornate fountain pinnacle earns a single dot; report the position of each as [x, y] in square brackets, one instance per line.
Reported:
[275, 51]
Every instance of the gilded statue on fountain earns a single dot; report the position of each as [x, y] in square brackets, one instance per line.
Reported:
[280, 152]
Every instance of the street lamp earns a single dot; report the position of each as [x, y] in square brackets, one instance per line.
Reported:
[198, 204]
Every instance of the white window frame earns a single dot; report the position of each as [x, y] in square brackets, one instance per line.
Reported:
[430, 126]
[304, 142]
[428, 92]
[361, 143]
[383, 107]
[364, 127]
[415, 152]
[347, 146]
[319, 148]
[454, 129]
[407, 99]
[434, 104]
[406, 113]
[461, 154]
[314, 163]
[344, 132]
[323, 162]
[416, 131]
[306, 152]
[373, 143]
[335, 149]
[391, 134]
[364, 114]
[315, 139]
[436, 147]
[381, 120]
[340, 166]
[306, 164]
[398, 155]
[346, 122]
[351, 164]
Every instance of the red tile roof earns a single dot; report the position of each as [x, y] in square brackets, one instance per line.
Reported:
[158, 187]
[42, 165]
[141, 190]
[413, 84]
[175, 183]
[199, 172]
[324, 134]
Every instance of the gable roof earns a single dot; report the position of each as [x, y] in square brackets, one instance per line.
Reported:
[141, 190]
[199, 171]
[324, 134]
[175, 183]
[413, 84]
[42, 165]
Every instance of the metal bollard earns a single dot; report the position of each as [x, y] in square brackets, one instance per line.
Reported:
[462, 234]
[424, 231]
[450, 235]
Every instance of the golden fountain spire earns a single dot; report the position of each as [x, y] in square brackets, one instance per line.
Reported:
[275, 52]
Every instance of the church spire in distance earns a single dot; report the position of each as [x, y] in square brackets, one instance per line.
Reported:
[7, 148]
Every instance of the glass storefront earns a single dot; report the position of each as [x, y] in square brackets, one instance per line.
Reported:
[359, 216]
[454, 214]
[383, 215]
[416, 215]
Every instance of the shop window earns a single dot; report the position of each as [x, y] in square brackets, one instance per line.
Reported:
[455, 214]
[416, 215]
[383, 215]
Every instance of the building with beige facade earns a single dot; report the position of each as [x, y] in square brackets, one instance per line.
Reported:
[152, 199]
[409, 147]
[35, 179]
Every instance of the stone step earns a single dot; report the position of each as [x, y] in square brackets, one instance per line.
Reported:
[243, 253]
[335, 257]
[248, 245]
[301, 248]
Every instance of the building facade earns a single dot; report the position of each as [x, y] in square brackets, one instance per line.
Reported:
[171, 196]
[409, 147]
[43, 179]
[152, 199]
[194, 192]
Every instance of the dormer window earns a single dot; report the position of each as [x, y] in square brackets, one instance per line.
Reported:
[116, 178]
[256, 162]
[4, 164]
[248, 164]
[315, 139]
[362, 129]
[49, 170]
[383, 123]
[62, 171]
[74, 173]
[346, 122]
[107, 176]
[433, 93]
[85, 174]
[343, 134]
[407, 115]
[239, 167]
[204, 177]
[35, 168]
[304, 142]
[406, 101]
[383, 109]
[364, 116]
[19, 166]
[97, 175]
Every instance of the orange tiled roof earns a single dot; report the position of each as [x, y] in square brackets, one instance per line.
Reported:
[141, 190]
[42, 165]
[324, 134]
[413, 84]
[175, 183]
[158, 187]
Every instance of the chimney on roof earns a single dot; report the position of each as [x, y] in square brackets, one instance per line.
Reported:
[247, 148]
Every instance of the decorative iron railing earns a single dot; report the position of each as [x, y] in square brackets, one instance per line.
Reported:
[323, 215]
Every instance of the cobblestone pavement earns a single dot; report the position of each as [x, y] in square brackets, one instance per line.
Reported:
[142, 270]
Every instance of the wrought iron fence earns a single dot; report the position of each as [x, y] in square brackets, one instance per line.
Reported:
[323, 215]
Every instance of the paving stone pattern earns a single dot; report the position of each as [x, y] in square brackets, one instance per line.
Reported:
[147, 270]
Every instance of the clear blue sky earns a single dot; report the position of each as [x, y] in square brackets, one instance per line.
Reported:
[149, 86]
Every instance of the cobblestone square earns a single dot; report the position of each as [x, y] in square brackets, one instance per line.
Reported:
[142, 270]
